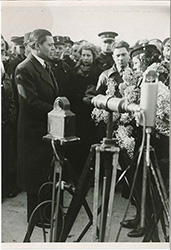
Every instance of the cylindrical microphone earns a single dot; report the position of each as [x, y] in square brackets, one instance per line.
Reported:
[111, 103]
[148, 100]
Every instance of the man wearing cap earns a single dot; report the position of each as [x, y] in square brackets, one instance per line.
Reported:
[62, 71]
[68, 43]
[105, 59]
[8, 125]
[19, 56]
[37, 90]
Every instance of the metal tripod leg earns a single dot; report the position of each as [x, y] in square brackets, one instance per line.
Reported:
[159, 182]
[82, 189]
[109, 180]
[148, 164]
[55, 203]
[111, 196]
[96, 193]
[144, 178]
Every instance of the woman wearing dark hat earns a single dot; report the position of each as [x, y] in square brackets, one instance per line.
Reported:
[147, 55]
[166, 61]
[144, 58]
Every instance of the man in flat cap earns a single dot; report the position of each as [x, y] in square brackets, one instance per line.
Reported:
[18, 54]
[67, 58]
[17, 58]
[8, 135]
[105, 59]
[37, 91]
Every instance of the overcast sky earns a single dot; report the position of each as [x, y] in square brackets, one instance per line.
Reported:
[132, 20]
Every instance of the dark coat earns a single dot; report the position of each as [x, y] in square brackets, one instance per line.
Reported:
[37, 93]
[84, 85]
[8, 123]
[10, 69]
[69, 61]
[65, 78]
[105, 61]
[12, 64]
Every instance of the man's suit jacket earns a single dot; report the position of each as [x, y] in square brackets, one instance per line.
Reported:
[36, 92]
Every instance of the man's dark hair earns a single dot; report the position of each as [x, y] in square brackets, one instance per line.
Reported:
[38, 35]
[121, 44]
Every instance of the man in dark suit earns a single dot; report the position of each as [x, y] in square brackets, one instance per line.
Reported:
[37, 90]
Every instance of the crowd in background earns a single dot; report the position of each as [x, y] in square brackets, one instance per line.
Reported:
[81, 70]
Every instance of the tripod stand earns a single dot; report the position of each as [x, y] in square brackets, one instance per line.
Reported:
[60, 163]
[157, 196]
[102, 232]
[110, 152]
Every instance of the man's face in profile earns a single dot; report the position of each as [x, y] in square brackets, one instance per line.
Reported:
[47, 48]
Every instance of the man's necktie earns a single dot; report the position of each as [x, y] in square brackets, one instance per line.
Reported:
[48, 69]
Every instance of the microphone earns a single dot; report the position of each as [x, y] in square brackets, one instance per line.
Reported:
[148, 99]
[110, 103]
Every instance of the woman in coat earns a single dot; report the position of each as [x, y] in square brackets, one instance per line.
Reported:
[86, 73]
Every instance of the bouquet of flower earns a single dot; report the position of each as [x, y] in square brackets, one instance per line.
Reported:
[127, 122]
[100, 114]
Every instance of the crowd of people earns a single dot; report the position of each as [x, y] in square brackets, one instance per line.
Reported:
[79, 71]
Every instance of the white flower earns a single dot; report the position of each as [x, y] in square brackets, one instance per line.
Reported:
[125, 140]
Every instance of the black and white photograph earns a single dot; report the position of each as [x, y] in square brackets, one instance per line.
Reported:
[85, 124]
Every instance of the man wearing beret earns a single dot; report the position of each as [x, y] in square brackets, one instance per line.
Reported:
[37, 91]
[105, 59]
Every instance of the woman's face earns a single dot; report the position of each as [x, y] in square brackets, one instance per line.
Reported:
[87, 57]
[136, 64]
[166, 51]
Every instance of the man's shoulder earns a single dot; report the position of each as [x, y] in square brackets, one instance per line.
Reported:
[108, 72]
[66, 66]
[28, 64]
[61, 65]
